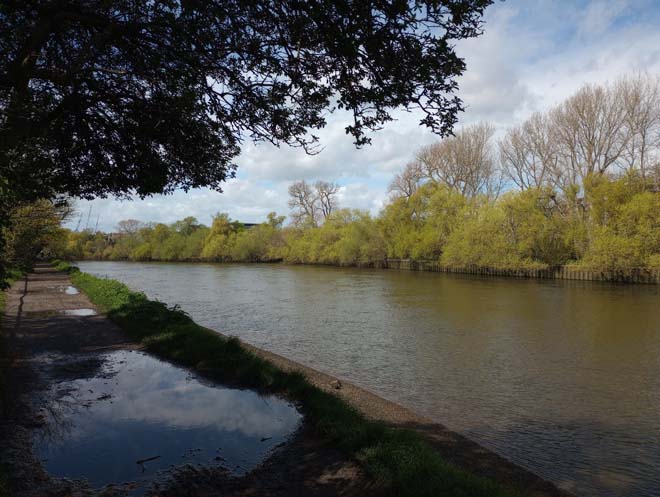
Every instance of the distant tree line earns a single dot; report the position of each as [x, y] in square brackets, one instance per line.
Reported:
[578, 184]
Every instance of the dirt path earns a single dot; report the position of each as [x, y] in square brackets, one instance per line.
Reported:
[49, 347]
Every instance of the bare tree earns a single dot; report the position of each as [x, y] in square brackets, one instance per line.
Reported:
[641, 100]
[326, 193]
[406, 183]
[303, 201]
[129, 226]
[528, 154]
[598, 130]
[463, 162]
[312, 203]
[589, 130]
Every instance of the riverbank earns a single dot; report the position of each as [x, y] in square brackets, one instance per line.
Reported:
[568, 272]
[382, 435]
[649, 276]
[53, 349]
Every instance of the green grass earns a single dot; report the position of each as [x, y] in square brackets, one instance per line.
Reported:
[396, 458]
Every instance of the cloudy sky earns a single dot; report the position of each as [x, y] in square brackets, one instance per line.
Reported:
[534, 53]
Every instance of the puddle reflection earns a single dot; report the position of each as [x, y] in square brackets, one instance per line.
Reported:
[79, 312]
[142, 416]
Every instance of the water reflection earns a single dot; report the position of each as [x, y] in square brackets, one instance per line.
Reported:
[562, 377]
[71, 290]
[141, 416]
[79, 312]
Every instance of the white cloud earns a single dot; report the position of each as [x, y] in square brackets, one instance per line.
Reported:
[360, 196]
[534, 53]
[599, 16]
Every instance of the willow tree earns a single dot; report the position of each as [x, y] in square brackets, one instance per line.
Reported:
[137, 97]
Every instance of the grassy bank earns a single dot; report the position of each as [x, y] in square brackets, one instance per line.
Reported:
[398, 459]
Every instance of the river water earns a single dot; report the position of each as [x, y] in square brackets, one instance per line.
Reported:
[562, 377]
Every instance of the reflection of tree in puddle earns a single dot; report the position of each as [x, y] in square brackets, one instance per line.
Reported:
[60, 409]
[65, 401]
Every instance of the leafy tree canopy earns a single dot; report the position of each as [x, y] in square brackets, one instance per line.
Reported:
[143, 96]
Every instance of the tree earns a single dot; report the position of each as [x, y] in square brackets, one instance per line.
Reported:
[136, 96]
[641, 99]
[304, 202]
[528, 153]
[601, 129]
[463, 162]
[312, 204]
[187, 225]
[590, 133]
[129, 226]
[34, 228]
[407, 182]
[326, 193]
[221, 237]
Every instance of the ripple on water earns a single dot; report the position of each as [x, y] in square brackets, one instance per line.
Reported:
[141, 416]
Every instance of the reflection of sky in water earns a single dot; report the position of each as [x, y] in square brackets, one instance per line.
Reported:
[79, 312]
[140, 408]
[71, 290]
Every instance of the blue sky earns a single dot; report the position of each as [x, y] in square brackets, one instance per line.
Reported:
[534, 53]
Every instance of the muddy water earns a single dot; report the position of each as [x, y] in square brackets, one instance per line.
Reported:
[561, 377]
[139, 417]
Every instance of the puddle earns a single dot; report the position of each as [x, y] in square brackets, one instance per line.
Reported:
[71, 290]
[79, 312]
[142, 416]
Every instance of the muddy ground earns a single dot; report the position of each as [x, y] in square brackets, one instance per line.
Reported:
[48, 347]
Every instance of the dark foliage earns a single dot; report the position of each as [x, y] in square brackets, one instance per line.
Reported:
[141, 96]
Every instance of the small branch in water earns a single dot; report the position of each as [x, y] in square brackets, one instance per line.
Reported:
[142, 461]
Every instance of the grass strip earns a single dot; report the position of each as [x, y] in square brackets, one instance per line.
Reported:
[398, 459]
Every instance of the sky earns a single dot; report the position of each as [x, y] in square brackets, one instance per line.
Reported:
[532, 55]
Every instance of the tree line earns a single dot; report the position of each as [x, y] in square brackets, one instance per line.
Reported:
[534, 228]
[608, 130]
[578, 184]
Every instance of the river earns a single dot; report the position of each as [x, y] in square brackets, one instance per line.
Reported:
[561, 377]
